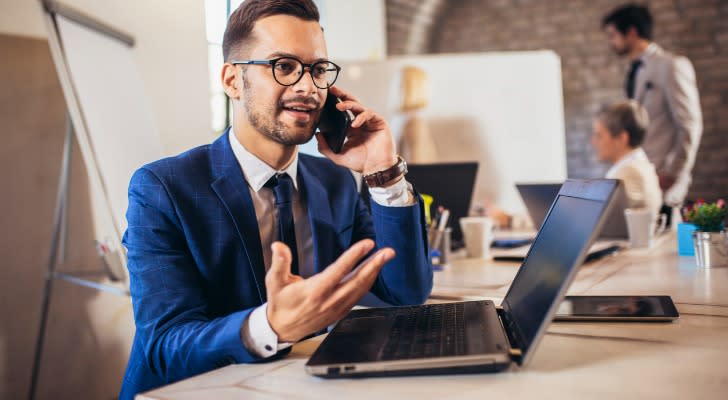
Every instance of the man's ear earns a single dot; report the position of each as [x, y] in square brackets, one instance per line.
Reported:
[631, 33]
[231, 81]
[624, 139]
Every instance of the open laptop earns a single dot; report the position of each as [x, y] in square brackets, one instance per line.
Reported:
[450, 185]
[538, 198]
[474, 336]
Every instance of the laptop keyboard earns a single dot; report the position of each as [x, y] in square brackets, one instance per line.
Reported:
[427, 331]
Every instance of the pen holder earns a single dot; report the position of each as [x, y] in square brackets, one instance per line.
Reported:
[440, 243]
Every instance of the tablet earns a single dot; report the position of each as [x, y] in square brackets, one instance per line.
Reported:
[617, 308]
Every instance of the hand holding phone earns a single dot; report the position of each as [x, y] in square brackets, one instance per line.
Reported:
[334, 124]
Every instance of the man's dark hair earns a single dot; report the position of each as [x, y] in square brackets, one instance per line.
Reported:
[630, 15]
[627, 116]
[241, 22]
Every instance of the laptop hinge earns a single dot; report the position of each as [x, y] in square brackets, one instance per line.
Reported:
[515, 351]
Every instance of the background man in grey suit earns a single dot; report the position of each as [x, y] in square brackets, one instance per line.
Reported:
[664, 84]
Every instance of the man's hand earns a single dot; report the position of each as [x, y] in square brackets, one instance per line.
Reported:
[370, 146]
[298, 307]
[666, 181]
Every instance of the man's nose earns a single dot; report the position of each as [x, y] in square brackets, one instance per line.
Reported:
[305, 84]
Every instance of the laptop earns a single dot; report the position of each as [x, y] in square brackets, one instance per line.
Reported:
[474, 336]
[538, 198]
[450, 185]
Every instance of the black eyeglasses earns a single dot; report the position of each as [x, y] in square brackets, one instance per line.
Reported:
[287, 71]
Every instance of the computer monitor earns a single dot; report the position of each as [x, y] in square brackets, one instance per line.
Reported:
[450, 185]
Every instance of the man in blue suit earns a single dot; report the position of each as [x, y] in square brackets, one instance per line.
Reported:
[211, 280]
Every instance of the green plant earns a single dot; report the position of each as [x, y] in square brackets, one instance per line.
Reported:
[707, 217]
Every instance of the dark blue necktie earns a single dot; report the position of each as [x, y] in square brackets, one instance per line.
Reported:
[282, 186]
[629, 85]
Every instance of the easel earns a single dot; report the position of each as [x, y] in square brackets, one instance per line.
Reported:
[111, 250]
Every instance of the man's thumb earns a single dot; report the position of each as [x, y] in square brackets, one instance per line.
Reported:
[280, 266]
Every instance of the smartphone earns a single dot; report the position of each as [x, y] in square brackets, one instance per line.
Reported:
[617, 308]
[334, 124]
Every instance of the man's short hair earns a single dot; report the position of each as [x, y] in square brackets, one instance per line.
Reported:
[630, 15]
[242, 20]
[627, 116]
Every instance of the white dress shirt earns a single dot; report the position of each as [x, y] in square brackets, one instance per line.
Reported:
[256, 332]
[641, 185]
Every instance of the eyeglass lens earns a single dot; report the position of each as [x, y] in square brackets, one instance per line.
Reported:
[287, 71]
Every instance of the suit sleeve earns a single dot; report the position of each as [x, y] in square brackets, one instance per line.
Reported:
[684, 103]
[178, 337]
[406, 279]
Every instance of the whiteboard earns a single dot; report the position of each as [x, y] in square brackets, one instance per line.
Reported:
[119, 123]
[504, 110]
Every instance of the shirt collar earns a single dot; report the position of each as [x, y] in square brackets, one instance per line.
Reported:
[649, 51]
[257, 172]
[634, 154]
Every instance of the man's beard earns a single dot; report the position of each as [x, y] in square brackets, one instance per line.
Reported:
[264, 121]
[622, 51]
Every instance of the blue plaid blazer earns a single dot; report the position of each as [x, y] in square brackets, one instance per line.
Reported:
[196, 264]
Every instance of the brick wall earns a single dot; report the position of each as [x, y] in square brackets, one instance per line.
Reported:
[592, 75]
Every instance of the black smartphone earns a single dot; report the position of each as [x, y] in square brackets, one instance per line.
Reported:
[617, 308]
[334, 124]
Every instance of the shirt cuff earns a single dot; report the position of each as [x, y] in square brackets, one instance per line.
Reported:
[400, 194]
[257, 335]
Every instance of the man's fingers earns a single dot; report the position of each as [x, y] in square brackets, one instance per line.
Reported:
[351, 290]
[342, 94]
[280, 266]
[333, 274]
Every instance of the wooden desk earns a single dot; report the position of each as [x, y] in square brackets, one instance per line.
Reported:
[684, 359]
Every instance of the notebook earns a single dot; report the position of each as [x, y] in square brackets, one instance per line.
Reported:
[474, 336]
[538, 198]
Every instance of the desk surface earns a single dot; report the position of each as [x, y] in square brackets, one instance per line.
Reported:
[684, 359]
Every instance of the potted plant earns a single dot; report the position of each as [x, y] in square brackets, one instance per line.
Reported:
[709, 239]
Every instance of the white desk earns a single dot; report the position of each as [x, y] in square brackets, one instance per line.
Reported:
[684, 359]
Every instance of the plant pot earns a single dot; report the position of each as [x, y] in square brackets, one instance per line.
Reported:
[711, 249]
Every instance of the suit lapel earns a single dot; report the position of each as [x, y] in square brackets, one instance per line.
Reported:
[644, 82]
[319, 213]
[232, 189]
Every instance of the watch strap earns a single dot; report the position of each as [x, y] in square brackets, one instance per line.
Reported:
[385, 177]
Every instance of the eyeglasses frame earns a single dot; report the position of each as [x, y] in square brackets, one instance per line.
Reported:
[274, 61]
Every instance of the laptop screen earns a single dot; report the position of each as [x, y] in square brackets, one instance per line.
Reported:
[542, 279]
[450, 185]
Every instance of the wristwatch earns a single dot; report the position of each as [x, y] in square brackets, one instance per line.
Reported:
[385, 177]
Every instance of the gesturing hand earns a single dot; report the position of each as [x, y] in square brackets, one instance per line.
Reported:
[298, 307]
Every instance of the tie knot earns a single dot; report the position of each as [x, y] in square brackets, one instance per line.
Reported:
[282, 186]
[636, 64]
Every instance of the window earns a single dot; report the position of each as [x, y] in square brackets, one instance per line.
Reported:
[216, 15]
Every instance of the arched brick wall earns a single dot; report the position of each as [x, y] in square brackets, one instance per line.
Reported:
[592, 75]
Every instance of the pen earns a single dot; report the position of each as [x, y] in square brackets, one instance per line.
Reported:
[442, 224]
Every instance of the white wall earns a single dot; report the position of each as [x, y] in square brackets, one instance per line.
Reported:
[504, 110]
[171, 53]
[354, 30]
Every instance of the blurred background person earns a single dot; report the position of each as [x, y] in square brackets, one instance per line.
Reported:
[618, 132]
[665, 85]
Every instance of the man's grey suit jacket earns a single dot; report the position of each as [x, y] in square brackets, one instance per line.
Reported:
[666, 87]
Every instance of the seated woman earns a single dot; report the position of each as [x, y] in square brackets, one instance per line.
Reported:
[618, 132]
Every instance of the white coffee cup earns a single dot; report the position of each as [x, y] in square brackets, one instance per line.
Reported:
[641, 226]
[478, 235]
